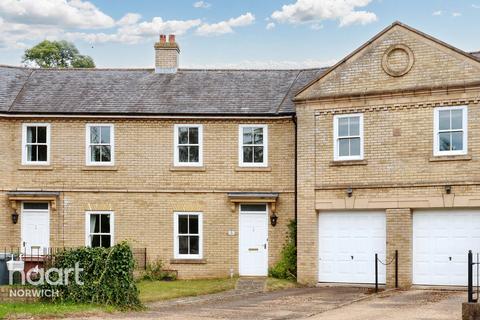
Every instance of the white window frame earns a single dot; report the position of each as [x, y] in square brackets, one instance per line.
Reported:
[25, 161]
[336, 118]
[176, 245]
[176, 156]
[88, 150]
[88, 231]
[241, 145]
[436, 131]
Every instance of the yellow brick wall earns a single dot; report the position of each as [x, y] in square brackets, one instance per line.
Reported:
[166, 58]
[144, 158]
[144, 191]
[398, 147]
[399, 237]
[434, 65]
[307, 228]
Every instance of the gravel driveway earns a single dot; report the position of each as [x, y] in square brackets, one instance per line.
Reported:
[329, 303]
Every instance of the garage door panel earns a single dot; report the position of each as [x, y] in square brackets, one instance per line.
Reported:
[441, 240]
[347, 249]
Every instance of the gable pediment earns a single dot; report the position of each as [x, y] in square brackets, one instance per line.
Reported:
[399, 58]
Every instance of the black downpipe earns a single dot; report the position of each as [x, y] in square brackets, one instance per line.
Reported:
[294, 118]
[470, 277]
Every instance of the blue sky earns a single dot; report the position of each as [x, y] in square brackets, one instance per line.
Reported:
[232, 34]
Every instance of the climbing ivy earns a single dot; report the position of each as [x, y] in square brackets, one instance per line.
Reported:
[286, 267]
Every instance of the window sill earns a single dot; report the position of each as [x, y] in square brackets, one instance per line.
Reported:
[188, 168]
[99, 168]
[340, 163]
[450, 158]
[36, 167]
[188, 261]
[253, 169]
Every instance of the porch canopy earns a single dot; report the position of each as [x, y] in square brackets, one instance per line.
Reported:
[254, 197]
[47, 196]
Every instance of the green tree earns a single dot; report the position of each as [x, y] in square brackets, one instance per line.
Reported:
[57, 54]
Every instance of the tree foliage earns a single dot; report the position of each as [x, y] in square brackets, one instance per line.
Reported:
[57, 54]
[286, 268]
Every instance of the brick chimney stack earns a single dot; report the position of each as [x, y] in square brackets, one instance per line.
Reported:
[166, 54]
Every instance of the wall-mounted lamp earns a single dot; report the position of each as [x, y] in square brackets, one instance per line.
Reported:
[273, 219]
[448, 189]
[349, 192]
[14, 217]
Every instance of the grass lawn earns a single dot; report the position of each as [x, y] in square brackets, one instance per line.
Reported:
[150, 291]
[15, 309]
[162, 290]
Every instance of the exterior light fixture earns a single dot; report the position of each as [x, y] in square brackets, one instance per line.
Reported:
[448, 189]
[349, 192]
[14, 217]
[273, 219]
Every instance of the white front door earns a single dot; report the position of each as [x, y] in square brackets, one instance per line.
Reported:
[253, 242]
[441, 240]
[347, 243]
[35, 225]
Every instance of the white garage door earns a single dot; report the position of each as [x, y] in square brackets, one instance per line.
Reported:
[347, 244]
[441, 240]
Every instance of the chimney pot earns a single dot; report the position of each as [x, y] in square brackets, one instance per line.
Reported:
[171, 38]
[163, 38]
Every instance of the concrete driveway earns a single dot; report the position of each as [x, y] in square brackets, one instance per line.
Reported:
[329, 303]
[402, 305]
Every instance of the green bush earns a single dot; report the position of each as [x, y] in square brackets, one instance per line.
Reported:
[286, 268]
[107, 277]
[155, 272]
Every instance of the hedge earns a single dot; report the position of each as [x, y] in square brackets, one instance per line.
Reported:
[107, 277]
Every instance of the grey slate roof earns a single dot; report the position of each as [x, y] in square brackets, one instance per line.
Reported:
[141, 91]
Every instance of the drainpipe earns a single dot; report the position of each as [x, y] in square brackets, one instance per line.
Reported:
[294, 118]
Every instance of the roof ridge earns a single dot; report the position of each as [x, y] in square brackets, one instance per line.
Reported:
[152, 69]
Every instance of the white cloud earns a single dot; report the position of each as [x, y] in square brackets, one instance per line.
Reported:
[437, 13]
[316, 26]
[202, 5]
[476, 6]
[62, 13]
[266, 64]
[136, 32]
[129, 19]
[227, 26]
[158, 25]
[18, 35]
[315, 11]
[456, 14]
[270, 26]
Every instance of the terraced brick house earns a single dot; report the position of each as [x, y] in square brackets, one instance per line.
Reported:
[206, 168]
[190, 164]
